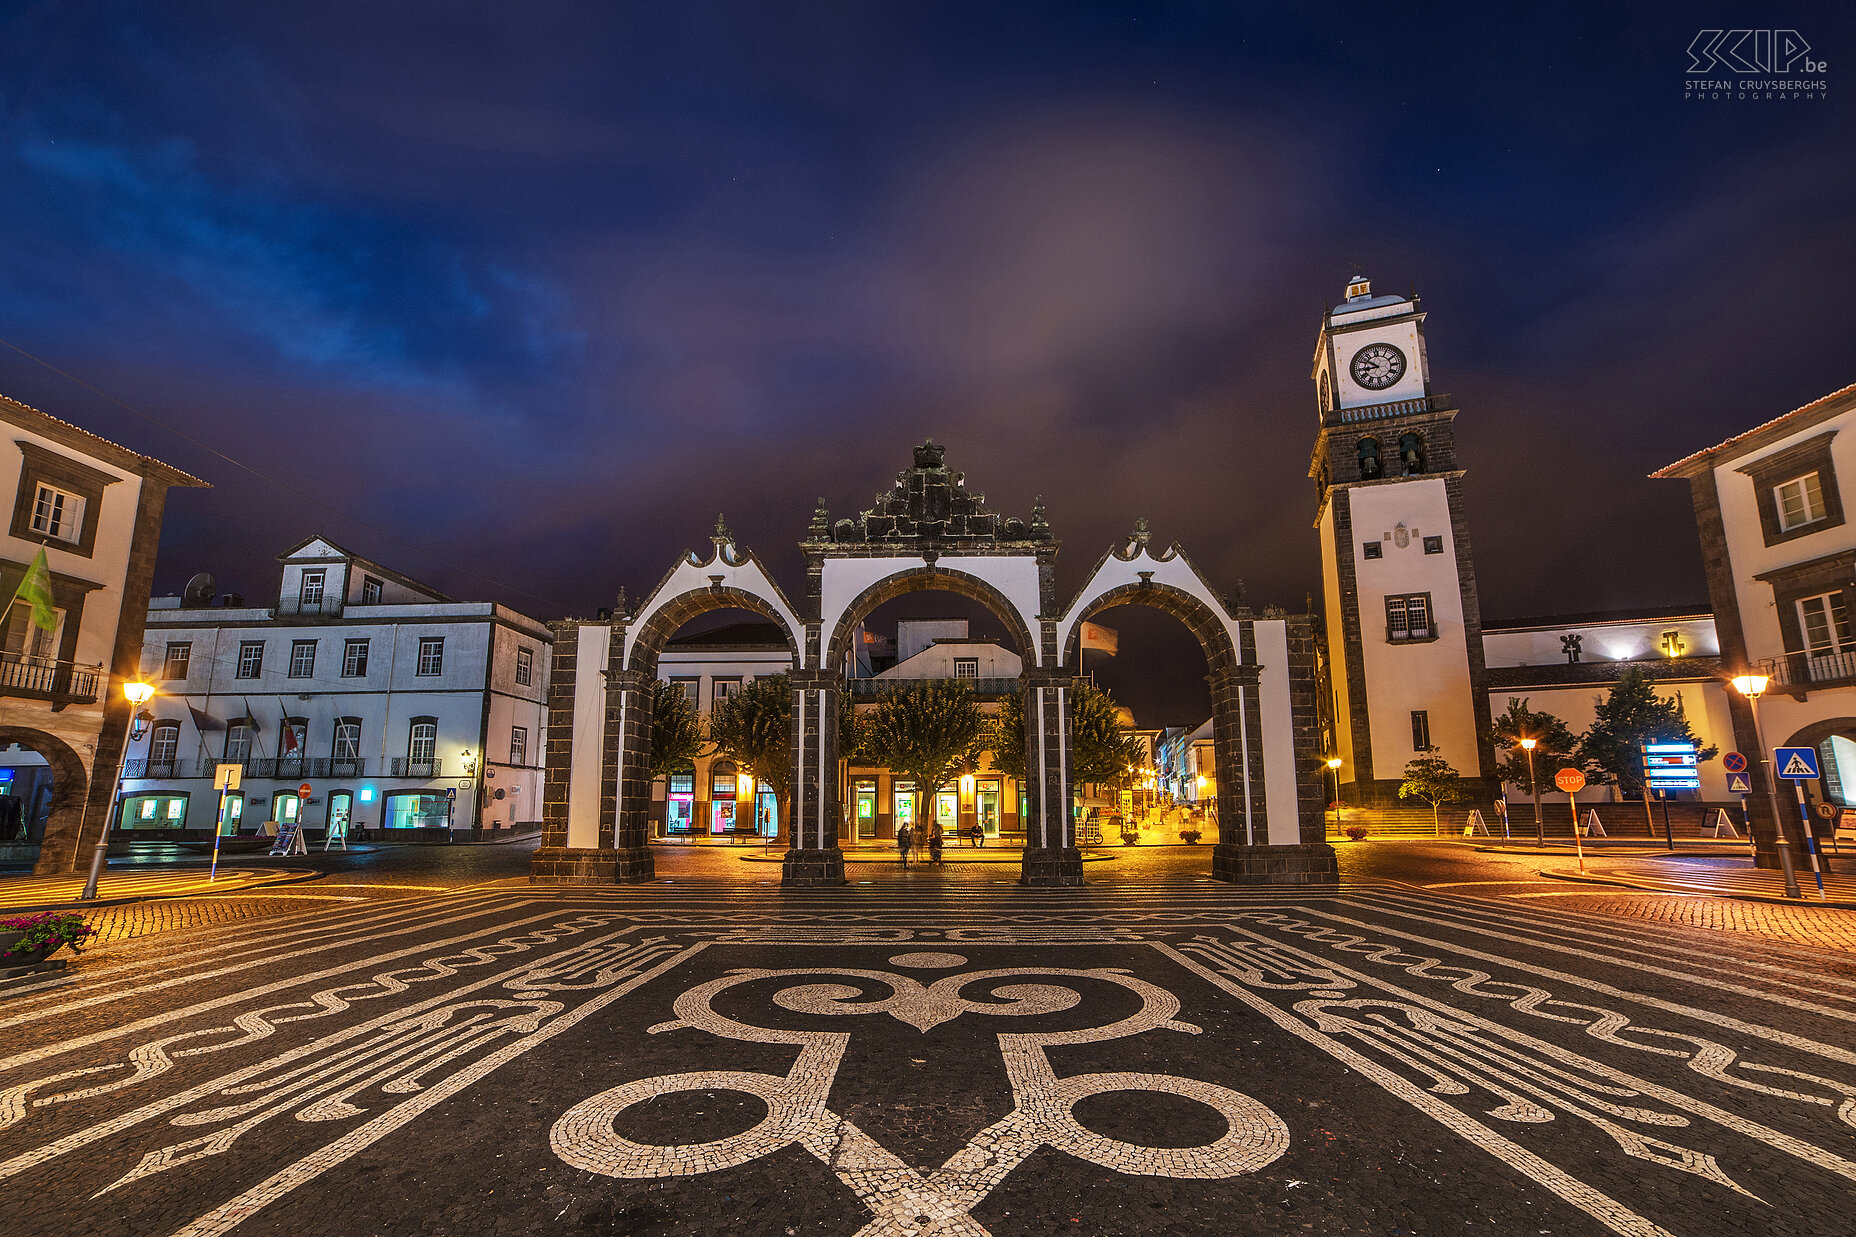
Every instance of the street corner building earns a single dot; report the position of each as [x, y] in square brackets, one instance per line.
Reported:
[94, 510]
[407, 715]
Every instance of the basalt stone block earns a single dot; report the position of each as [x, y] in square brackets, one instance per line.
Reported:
[1308, 864]
[1052, 866]
[567, 865]
[634, 865]
[824, 866]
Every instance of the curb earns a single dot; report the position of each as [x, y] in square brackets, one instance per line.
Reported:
[1581, 878]
[99, 903]
[891, 860]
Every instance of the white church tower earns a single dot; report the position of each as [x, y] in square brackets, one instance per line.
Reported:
[1403, 643]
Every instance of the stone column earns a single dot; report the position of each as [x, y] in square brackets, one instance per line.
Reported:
[1051, 856]
[626, 783]
[555, 862]
[814, 856]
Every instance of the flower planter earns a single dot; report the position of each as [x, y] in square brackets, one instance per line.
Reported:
[23, 957]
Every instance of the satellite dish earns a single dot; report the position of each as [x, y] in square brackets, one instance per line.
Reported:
[199, 591]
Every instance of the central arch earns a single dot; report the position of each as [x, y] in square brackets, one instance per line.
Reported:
[929, 578]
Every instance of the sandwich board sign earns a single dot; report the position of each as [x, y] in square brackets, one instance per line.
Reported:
[289, 839]
[1795, 764]
[1475, 827]
[1595, 828]
[1723, 827]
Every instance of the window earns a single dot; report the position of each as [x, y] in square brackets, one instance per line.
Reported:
[1372, 549]
[518, 746]
[293, 740]
[1825, 620]
[56, 513]
[354, 659]
[691, 689]
[966, 667]
[347, 744]
[180, 656]
[250, 658]
[1433, 545]
[723, 689]
[722, 780]
[302, 659]
[27, 638]
[422, 742]
[1420, 730]
[371, 590]
[163, 745]
[525, 667]
[1408, 617]
[1370, 469]
[431, 655]
[311, 595]
[238, 743]
[1801, 502]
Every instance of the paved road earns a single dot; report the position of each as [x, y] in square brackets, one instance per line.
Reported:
[419, 1042]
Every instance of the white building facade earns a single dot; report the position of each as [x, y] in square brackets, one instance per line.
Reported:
[95, 510]
[398, 707]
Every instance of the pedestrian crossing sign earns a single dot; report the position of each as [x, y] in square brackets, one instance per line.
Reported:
[1795, 763]
[1739, 784]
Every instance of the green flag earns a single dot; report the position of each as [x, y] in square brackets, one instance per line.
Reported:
[35, 589]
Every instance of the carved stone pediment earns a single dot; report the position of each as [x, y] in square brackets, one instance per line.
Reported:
[930, 504]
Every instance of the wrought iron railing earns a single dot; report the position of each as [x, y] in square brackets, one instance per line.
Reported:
[1811, 669]
[327, 606]
[405, 766]
[46, 679]
[981, 687]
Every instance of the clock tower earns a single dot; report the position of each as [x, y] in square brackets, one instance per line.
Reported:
[1403, 643]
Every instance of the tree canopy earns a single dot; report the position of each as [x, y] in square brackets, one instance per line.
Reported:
[1100, 749]
[1630, 715]
[1431, 778]
[676, 730]
[1555, 746]
[754, 727]
[926, 730]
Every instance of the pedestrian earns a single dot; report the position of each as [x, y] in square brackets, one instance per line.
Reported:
[905, 838]
[979, 834]
[935, 841]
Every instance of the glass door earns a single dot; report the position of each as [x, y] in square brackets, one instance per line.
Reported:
[904, 794]
[341, 807]
[766, 811]
[947, 813]
[866, 809]
[986, 805]
[680, 804]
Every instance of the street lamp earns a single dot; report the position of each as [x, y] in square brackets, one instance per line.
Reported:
[138, 694]
[1540, 830]
[1753, 686]
[1334, 768]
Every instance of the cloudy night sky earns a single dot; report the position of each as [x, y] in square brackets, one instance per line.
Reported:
[521, 296]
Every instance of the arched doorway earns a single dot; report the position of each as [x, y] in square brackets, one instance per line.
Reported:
[1835, 741]
[43, 803]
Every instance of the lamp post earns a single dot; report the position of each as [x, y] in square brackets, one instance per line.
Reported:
[139, 694]
[1334, 768]
[1753, 686]
[1540, 830]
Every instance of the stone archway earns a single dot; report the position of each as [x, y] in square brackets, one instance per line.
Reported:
[930, 579]
[70, 791]
[1268, 794]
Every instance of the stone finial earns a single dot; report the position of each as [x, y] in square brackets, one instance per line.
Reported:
[1140, 535]
[721, 536]
[928, 455]
[820, 528]
[621, 608]
[1040, 527]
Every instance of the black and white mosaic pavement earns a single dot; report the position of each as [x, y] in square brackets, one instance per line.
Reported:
[1176, 1060]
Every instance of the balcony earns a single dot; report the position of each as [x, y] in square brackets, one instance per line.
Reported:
[325, 607]
[41, 678]
[405, 766]
[1801, 671]
[1393, 408]
[296, 768]
[863, 689]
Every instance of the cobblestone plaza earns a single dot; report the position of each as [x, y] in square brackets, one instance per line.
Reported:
[422, 1044]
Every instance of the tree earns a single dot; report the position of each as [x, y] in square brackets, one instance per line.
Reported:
[1008, 736]
[1101, 750]
[754, 727]
[853, 730]
[1555, 746]
[1431, 778]
[1629, 716]
[676, 730]
[926, 730]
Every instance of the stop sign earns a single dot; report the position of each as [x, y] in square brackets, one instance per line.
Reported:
[302, 792]
[1569, 780]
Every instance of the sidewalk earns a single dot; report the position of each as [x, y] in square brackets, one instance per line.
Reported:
[1723, 877]
[37, 893]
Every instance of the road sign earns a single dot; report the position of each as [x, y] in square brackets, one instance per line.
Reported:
[1569, 780]
[302, 792]
[1795, 763]
[1827, 810]
[225, 777]
[1739, 784]
[1734, 762]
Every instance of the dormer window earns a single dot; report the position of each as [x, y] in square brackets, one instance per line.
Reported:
[1801, 501]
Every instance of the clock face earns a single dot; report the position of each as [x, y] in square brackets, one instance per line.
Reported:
[1378, 366]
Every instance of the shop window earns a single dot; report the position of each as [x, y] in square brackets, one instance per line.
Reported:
[415, 809]
[157, 811]
[723, 789]
[680, 804]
